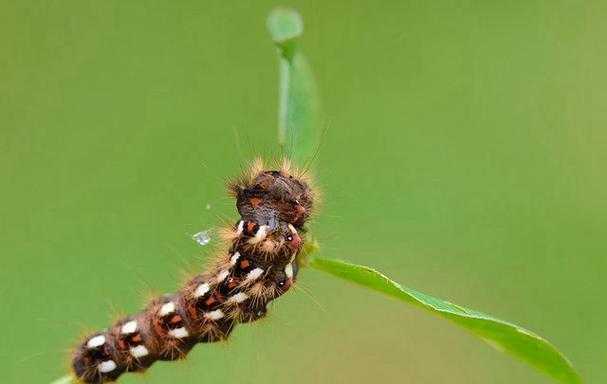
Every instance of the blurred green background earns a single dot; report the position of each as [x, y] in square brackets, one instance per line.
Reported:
[464, 155]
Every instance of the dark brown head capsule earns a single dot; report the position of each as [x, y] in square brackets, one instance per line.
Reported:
[275, 196]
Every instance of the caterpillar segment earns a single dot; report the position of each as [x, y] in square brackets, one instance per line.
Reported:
[259, 266]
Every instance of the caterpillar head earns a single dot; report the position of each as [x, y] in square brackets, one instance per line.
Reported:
[280, 195]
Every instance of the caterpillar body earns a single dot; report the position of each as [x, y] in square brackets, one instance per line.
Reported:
[258, 264]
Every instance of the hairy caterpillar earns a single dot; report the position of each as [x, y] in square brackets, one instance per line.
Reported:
[259, 265]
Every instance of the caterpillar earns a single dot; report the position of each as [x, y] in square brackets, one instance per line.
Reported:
[257, 264]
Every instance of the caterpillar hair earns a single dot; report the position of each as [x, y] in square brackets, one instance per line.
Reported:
[258, 265]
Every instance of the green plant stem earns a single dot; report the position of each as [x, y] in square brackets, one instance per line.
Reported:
[298, 104]
[67, 379]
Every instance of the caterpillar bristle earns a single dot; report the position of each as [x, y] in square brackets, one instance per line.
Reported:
[256, 167]
[257, 263]
[246, 177]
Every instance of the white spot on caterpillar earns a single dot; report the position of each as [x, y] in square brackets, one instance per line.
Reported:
[202, 290]
[238, 298]
[106, 366]
[214, 315]
[240, 228]
[167, 308]
[129, 327]
[260, 235]
[222, 275]
[234, 258]
[139, 351]
[254, 274]
[293, 230]
[289, 270]
[95, 342]
[179, 333]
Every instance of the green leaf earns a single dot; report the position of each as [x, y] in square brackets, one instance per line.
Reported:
[298, 105]
[500, 334]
